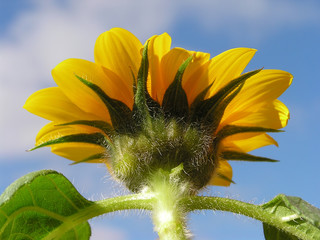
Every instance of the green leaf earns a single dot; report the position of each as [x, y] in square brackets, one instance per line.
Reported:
[272, 233]
[291, 215]
[175, 101]
[37, 205]
[120, 113]
[45, 205]
[295, 212]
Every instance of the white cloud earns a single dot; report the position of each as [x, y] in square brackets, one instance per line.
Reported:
[43, 36]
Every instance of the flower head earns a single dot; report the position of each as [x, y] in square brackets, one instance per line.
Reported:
[139, 108]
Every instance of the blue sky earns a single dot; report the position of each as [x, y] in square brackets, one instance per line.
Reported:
[36, 35]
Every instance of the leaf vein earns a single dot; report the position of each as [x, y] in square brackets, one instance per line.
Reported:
[62, 193]
[31, 194]
[13, 216]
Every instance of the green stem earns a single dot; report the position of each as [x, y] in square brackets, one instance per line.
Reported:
[134, 201]
[169, 207]
[254, 211]
[169, 216]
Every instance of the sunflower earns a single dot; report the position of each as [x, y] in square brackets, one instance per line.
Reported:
[139, 108]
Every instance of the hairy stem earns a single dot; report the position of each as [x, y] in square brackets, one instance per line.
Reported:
[169, 217]
[170, 204]
[135, 201]
[254, 211]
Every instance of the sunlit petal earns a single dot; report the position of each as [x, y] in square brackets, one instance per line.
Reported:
[53, 131]
[227, 66]
[246, 142]
[195, 78]
[158, 47]
[119, 51]
[78, 151]
[273, 114]
[170, 64]
[65, 74]
[258, 90]
[52, 104]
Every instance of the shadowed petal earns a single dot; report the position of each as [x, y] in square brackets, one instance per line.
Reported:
[223, 175]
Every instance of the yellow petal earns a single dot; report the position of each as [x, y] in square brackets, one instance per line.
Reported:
[119, 51]
[170, 64]
[258, 90]
[72, 151]
[115, 88]
[223, 169]
[53, 131]
[227, 66]
[158, 47]
[246, 142]
[52, 104]
[270, 115]
[78, 151]
[195, 78]
[81, 95]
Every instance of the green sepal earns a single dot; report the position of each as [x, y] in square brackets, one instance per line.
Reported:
[200, 97]
[120, 113]
[134, 83]
[90, 158]
[175, 101]
[239, 156]
[213, 120]
[144, 104]
[92, 138]
[102, 125]
[229, 130]
[296, 212]
[224, 177]
[39, 205]
[206, 111]
[140, 101]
